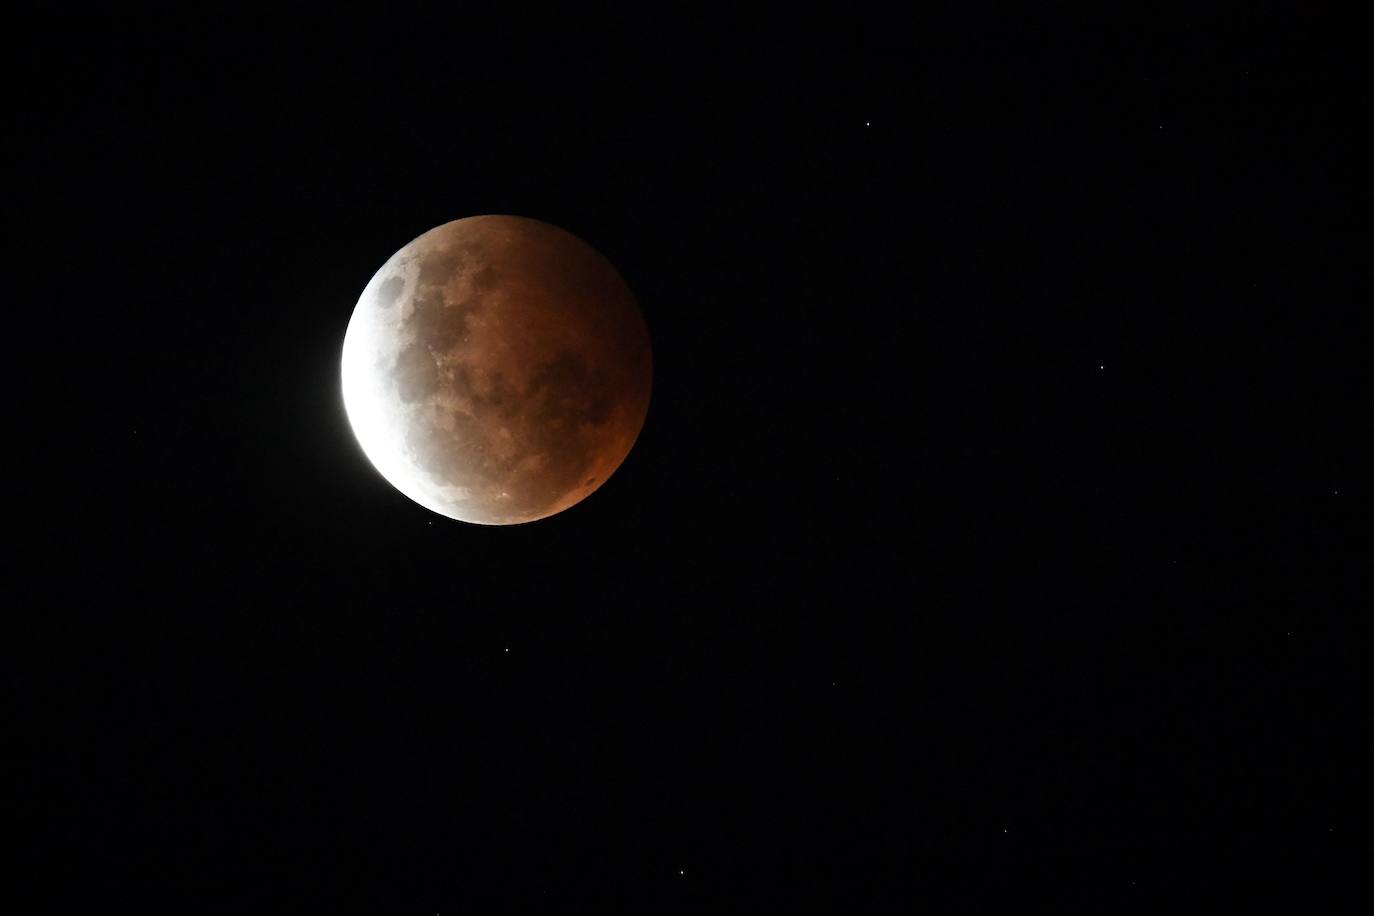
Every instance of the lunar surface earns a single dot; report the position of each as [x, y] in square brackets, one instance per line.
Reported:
[496, 370]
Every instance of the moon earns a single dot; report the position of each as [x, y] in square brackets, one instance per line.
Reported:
[496, 370]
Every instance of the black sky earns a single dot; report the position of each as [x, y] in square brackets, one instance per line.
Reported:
[998, 535]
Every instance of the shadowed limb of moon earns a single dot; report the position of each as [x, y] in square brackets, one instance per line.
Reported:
[496, 370]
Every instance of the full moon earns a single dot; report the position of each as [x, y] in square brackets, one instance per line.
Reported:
[496, 370]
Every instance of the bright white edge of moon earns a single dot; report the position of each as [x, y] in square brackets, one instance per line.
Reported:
[369, 402]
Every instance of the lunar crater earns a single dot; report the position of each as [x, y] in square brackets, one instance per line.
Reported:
[389, 291]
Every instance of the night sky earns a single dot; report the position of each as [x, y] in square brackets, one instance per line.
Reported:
[998, 539]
